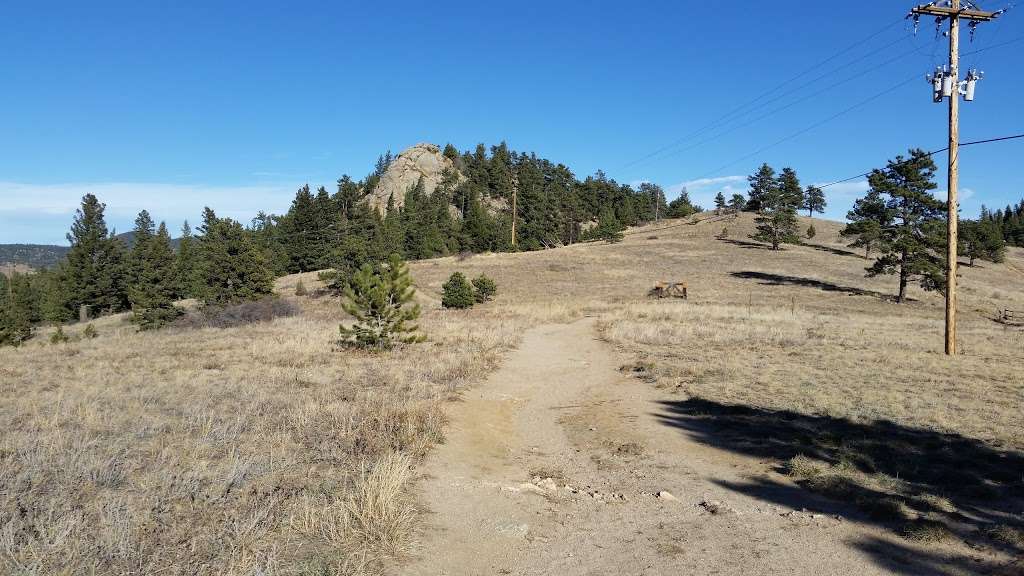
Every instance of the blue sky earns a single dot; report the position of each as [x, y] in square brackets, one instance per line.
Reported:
[171, 106]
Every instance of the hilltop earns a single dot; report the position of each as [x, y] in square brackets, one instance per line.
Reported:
[796, 418]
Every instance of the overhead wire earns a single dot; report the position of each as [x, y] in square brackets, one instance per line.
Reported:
[742, 108]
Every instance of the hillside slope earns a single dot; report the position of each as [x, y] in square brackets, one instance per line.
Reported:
[267, 448]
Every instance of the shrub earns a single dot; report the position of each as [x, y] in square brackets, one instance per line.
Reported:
[811, 232]
[90, 332]
[379, 301]
[263, 310]
[300, 289]
[59, 337]
[458, 293]
[484, 287]
[724, 233]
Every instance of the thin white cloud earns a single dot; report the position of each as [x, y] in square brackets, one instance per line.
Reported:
[856, 188]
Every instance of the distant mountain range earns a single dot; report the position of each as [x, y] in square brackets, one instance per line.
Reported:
[39, 256]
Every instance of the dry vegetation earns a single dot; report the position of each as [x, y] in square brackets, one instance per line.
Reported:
[265, 449]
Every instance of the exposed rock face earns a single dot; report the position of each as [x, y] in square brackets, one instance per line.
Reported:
[421, 161]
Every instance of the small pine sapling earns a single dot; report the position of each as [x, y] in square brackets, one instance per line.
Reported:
[485, 288]
[381, 301]
[724, 233]
[59, 337]
[458, 293]
[90, 332]
[811, 232]
[300, 289]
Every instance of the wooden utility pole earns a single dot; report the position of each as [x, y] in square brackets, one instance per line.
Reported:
[954, 13]
[514, 194]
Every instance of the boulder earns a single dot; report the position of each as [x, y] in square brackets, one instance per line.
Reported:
[420, 161]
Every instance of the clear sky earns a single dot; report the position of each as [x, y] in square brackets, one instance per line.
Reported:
[171, 106]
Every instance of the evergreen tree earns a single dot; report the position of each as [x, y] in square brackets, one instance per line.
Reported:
[484, 288]
[608, 227]
[762, 183]
[142, 235]
[153, 294]
[17, 301]
[231, 267]
[814, 200]
[379, 300]
[681, 207]
[301, 236]
[737, 203]
[869, 216]
[458, 292]
[981, 240]
[719, 202]
[186, 264]
[269, 239]
[789, 186]
[776, 221]
[94, 273]
[913, 243]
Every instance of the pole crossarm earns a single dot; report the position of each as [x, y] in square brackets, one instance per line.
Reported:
[946, 12]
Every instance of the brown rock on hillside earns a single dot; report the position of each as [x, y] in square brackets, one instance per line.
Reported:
[420, 161]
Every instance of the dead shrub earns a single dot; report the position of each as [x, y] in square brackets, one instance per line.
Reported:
[263, 310]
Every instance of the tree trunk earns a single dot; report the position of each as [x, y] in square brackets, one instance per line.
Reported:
[903, 280]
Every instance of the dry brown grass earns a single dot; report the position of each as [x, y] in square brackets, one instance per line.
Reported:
[206, 451]
[265, 449]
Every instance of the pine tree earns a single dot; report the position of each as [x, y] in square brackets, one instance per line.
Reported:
[681, 207]
[814, 200]
[868, 218]
[811, 232]
[737, 203]
[776, 221]
[16, 309]
[789, 186]
[719, 202]
[608, 227]
[231, 267]
[142, 235]
[913, 243]
[94, 273]
[981, 240]
[186, 265]
[484, 288]
[458, 292]
[379, 300]
[762, 183]
[153, 294]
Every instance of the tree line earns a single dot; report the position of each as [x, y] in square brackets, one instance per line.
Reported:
[226, 262]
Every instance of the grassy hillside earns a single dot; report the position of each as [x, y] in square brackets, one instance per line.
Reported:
[267, 449]
[32, 255]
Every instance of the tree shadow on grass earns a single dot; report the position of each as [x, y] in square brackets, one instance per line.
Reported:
[920, 484]
[833, 250]
[746, 244]
[769, 279]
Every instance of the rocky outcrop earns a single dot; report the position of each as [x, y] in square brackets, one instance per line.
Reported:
[421, 161]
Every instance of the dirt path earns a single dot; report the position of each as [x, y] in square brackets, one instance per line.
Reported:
[554, 466]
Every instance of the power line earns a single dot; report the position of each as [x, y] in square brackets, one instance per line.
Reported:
[851, 78]
[813, 126]
[932, 153]
[771, 91]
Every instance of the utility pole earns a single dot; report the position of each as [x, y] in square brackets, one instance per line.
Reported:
[514, 191]
[947, 84]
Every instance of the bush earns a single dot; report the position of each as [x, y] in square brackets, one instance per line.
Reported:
[458, 293]
[724, 233]
[90, 332]
[378, 300]
[300, 289]
[263, 310]
[485, 288]
[59, 337]
[811, 232]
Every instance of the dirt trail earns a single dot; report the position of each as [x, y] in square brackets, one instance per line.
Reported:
[553, 466]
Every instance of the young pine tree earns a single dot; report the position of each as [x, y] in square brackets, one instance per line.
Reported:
[912, 245]
[16, 309]
[608, 227]
[153, 293]
[484, 288]
[381, 301]
[458, 292]
[186, 265]
[737, 203]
